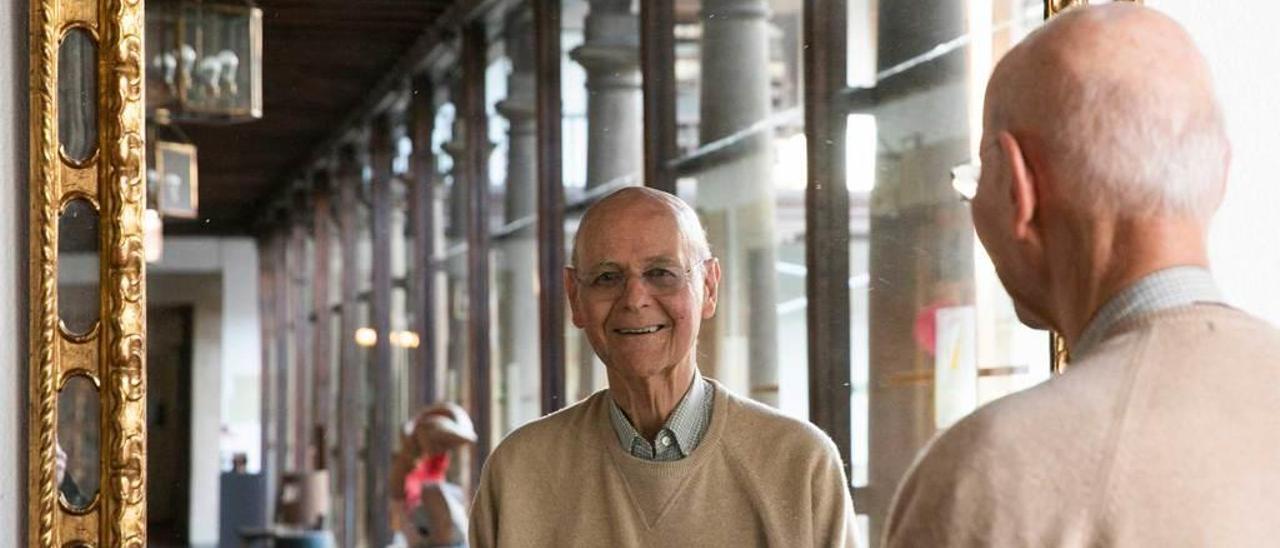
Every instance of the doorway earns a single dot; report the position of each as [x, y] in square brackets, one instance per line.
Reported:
[169, 353]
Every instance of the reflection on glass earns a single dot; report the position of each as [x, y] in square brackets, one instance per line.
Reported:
[740, 128]
[78, 95]
[573, 96]
[514, 258]
[78, 443]
[447, 141]
[78, 267]
[934, 333]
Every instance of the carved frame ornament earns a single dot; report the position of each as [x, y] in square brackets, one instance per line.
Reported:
[1053, 7]
[113, 354]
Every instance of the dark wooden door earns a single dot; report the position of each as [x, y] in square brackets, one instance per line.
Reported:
[169, 352]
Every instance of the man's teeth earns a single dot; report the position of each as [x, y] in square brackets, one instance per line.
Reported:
[640, 331]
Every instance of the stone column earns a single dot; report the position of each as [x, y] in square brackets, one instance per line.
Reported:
[737, 197]
[518, 304]
[457, 363]
[610, 54]
[403, 369]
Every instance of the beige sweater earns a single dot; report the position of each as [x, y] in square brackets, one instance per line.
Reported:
[758, 478]
[1167, 435]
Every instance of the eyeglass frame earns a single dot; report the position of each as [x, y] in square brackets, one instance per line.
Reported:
[686, 274]
[964, 179]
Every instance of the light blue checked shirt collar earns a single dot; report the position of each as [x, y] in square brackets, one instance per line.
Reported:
[1169, 288]
[680, 435]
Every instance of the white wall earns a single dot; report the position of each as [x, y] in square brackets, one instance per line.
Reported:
[241, 350]
[219, 276]
[1237, 38]
[13, 284]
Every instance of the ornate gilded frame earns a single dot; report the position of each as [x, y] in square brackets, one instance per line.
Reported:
[113, 355]
[1053, 7]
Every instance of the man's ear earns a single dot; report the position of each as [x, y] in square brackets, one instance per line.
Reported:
[1024, 192]
[710, 288]
[571, 291]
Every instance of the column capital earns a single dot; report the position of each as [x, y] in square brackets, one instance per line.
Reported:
[734, 9]
[519, 106]
[609, 66]
[518, 112]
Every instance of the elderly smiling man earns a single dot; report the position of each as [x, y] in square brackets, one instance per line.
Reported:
[663, 457]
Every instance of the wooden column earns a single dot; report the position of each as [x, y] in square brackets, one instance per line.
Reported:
[657, 64]
[378, 462]
[322, 331]
[266, 308]
[283, 329]
[301, 321]
[350, 387]
[475, 177]
[551, 300]
[422, 223]
[827, 222]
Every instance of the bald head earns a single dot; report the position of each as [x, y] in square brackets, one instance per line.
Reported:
[1119, 105]
[595, 220]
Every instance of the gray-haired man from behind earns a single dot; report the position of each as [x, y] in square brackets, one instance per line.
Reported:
[1104, 157]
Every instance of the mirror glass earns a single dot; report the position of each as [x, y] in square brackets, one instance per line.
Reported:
[78, 267]
[78, 443]
[77, 95]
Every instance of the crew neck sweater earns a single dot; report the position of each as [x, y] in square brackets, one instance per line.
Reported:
[758, 478]
[1166, 434]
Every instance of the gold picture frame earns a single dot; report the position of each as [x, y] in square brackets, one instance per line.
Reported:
[113, 354]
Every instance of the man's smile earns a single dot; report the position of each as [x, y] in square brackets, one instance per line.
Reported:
[646, 330]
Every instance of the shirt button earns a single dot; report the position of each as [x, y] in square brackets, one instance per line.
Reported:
[665, 441]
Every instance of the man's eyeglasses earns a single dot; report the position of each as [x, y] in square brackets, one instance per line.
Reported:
[964, 178]
[658, 280]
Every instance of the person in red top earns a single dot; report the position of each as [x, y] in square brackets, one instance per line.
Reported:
[426, 508]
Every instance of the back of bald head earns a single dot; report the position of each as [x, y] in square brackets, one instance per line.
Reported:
[691, 229]
[1121, 103]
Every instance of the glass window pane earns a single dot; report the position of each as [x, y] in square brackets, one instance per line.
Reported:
[933, 335]
[602, 137]
[744, 170]
[514, 304]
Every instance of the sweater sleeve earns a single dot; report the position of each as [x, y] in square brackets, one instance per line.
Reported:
[833, 513]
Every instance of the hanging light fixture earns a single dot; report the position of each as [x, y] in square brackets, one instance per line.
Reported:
[204, 60]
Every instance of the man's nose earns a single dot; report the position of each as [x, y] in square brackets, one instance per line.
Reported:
[635, 292]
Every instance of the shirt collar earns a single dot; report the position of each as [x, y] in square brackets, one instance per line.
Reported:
[687, 422]
[1160, 290]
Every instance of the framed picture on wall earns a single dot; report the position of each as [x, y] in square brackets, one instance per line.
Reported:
[177, 188]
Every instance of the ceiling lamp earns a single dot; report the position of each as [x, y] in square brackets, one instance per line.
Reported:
[204, 60]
